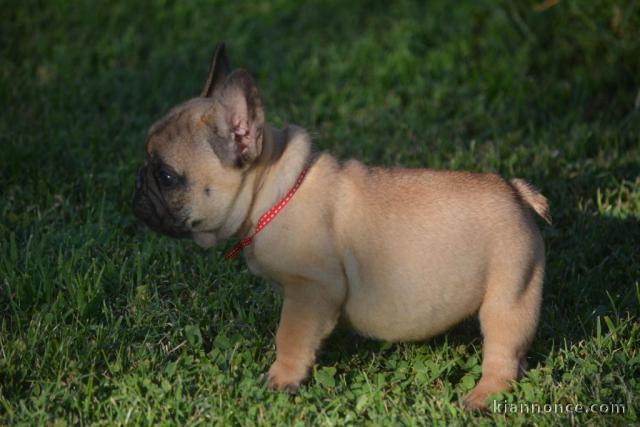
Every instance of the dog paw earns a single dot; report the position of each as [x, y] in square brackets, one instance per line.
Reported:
[284, 378]
[475, 400]
[477, 397]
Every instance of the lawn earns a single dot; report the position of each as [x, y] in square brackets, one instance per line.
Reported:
[103, 322]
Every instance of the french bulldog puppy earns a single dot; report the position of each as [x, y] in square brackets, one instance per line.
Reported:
[401, 254]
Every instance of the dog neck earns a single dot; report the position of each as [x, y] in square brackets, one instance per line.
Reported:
[285, 153]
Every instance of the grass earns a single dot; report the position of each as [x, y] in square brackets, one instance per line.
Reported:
[104, 323]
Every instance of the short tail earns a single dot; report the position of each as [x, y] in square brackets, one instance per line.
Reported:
[533, 198]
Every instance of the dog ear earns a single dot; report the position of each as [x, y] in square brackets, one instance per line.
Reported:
[218, 72]
[239, 120]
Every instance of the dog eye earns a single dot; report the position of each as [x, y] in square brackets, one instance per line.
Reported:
[166, 178]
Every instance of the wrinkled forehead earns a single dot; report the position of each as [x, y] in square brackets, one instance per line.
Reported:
[187, 123]
[180, 138]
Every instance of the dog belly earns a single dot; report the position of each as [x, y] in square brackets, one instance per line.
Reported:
[411, 303]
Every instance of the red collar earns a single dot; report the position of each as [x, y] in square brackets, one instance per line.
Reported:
[267, 217]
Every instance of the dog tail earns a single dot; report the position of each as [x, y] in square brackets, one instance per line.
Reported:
[532, 197]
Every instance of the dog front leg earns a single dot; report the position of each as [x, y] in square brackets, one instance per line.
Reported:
[309, 314]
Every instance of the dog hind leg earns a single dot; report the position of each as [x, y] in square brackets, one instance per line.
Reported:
[508, 320]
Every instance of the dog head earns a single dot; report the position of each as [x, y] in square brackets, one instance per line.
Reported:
[196, 156]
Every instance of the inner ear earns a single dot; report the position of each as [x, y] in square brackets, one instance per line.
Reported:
[218, 72]
[239, 120]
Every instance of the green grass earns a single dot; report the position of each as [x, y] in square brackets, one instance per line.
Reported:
[103, 322]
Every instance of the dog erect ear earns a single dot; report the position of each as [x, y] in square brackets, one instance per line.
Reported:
[218, 72]
[239, 120]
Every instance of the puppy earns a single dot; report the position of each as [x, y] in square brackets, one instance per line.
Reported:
[401, 254]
